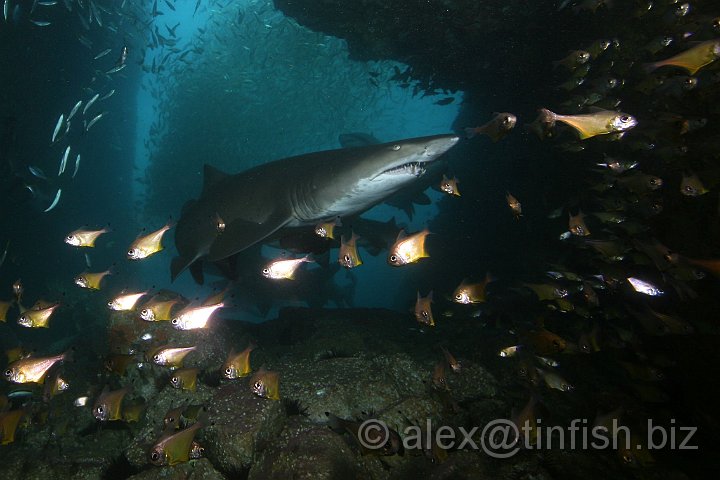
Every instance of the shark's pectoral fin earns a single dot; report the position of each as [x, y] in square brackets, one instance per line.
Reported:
[197, 272]
[177, 265]
[241, 234]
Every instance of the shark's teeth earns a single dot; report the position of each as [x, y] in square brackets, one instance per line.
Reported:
[414, 168]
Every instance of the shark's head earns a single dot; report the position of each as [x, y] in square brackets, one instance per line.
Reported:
[369, 175]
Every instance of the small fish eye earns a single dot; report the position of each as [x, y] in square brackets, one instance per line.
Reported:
[174, 379]
[393, 258]
[458, 296]
[100, 409]
[266, 270]
[257, 385]
[8, 372]
[156, 357]
[396, 147]
[625, 118]
[228, 370]
[144, 311]
[131, 252]
[154, 456]
[174, 321]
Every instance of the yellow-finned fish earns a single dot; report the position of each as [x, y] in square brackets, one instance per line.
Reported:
[692, 59]
[450, 186]
[514, 204]
[576, 224]
[84, 238]
[408, 249]
[9, 422]
[327, 229]
[691, 185]
[157, 310]
[600, 122]
[266, 384]
[451, 360]
[467, 293]
[185, 379]
[171, 357]
[284, 269]
[108, 406]
[348, 256]
[237, 365]
[193, 318]
[149, 244]
[125, 301]
[423, 310]
[33, 369]
[91, 281]
[37, 317]
[496, 129]
[55, 385]
[174, 447]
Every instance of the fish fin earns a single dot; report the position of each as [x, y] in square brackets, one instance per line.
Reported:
[241, 234]
[197, 272]
[177, 266]
[211, 177]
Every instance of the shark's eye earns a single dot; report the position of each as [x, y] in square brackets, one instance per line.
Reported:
[396, 147]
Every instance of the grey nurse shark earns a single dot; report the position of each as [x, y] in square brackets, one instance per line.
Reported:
[235, 212]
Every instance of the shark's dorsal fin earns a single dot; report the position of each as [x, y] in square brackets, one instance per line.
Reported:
[211, 177]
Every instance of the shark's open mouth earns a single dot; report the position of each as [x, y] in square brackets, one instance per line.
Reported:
[412, 168]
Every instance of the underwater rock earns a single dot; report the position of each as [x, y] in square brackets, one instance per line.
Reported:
[240, 424]
[200, 469]
[306, 451]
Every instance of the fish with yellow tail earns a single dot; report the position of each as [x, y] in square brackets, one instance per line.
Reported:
[174, 447]
[237, 365]
[170, 356]
[185, 379]
[467, 293]
[576, 224]
[423, 310]
[496, 129]
[266, 384]
[450, 186]
[149, 244]
[193, 318]
[108, 406]
[158, 310]
[599, 122]
[38, 316]
[691, 186]
[692, 59]
[84, 238]
[348, 256]
[125, 301]
[514, 204]
[408, 249]
[91, 280]
[451, 360]
[327, 229]
[284, 269]
[33, 369]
